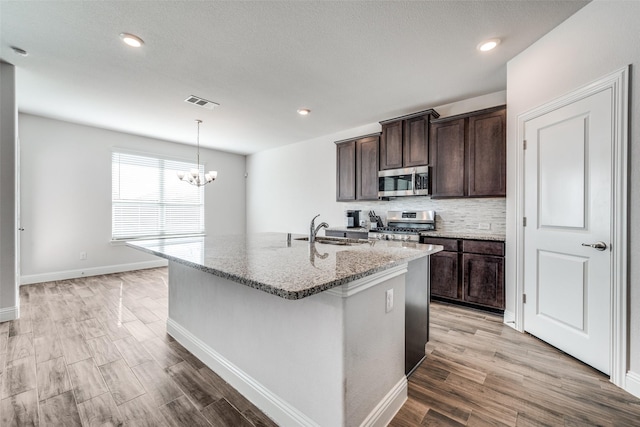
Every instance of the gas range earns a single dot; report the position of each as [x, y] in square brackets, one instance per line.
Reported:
[406, 225]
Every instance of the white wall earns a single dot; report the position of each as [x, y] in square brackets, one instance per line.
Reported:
[287, 186]
[8, 117]
[600, 38]
[66, 197]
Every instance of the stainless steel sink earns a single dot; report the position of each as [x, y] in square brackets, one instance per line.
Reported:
[341, 241]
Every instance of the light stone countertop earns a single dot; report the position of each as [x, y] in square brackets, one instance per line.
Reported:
[464, 235]
[264, 261]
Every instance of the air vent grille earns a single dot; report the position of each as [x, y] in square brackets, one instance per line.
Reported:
[201, 102]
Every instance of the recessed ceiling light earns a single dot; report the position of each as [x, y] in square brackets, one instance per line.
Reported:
[304, 111]
[19, 51]
[131, 40]
[488, 45]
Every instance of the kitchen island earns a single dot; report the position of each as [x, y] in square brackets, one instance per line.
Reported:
[312, 334]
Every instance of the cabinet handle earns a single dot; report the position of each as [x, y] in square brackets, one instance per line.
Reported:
[598, 246]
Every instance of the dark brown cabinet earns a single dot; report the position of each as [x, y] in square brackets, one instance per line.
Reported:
[391, 146]
[468, 271]
[468, 154]
[357, 169]
[346, 171]
[483, 279]
[404, 141]
[487, 154]
[447, 159]
[367, 168]
[445, 277]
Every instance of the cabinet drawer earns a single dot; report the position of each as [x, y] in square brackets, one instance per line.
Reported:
[348, 234]
[449, 244]
[357, 234]
[335, 233]
[483, 247]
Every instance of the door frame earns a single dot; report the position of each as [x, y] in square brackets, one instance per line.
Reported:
[618, 82]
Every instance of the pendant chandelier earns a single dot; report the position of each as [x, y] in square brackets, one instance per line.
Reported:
[193, 177]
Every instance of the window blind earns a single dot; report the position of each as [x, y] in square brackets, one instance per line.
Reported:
[149, 201]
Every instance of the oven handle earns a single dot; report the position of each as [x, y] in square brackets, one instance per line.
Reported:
[413, 180]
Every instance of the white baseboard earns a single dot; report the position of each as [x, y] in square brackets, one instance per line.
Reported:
[93, 271]
[278, 409]
[9, 313]
[632, 383]
[509, 319]
[388, 407]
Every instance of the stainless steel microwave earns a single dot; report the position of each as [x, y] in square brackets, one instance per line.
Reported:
[404, 182]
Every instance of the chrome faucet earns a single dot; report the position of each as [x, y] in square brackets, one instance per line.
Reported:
[314, 231]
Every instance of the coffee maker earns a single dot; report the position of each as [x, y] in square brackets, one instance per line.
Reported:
[353, 219]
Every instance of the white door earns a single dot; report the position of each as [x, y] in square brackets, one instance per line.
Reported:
[567, 205]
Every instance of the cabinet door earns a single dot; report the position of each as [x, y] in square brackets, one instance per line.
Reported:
[447, 148]
[416, 141]
[444, 275]
[483, 280]
[391, 146]
[367, 168]
[487, 154]
[346, 171]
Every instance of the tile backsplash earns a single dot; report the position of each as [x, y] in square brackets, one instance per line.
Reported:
[467, 216]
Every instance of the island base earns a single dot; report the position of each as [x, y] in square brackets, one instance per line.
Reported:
[332, 359]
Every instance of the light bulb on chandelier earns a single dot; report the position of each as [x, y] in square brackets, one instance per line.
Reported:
[193, 177]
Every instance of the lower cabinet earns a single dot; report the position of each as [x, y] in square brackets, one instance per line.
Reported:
[468, 271]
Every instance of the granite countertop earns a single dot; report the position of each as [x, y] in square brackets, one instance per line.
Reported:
[464, 235]
[264, 261]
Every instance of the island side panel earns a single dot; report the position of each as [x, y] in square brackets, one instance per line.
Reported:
[375, 353]
[291, 349]
[417, 313]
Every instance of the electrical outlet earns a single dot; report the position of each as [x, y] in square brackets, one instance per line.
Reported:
[389, 301]
[484, 226]
[83, 256]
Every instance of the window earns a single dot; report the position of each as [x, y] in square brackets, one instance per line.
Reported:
[149, 201]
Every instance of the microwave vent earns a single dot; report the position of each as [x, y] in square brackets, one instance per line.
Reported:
[201, 102]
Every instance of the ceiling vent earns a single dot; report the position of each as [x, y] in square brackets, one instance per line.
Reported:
[195, 100]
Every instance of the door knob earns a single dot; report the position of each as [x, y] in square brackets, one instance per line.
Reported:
[20, 229]
[599, 246]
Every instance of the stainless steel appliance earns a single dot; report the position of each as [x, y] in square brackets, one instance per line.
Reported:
[404, 182]
[353, 219]
[406, 225]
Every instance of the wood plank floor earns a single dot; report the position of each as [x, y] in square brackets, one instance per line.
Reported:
[95, 352]
[480, 372]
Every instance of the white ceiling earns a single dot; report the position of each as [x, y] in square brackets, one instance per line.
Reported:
[352, 63]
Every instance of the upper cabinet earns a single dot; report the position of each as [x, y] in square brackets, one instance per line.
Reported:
[405, 140]
[487, 154]
[357, 169]
[346, 171]
[447, 158]
[367, 168]
[468, 155]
